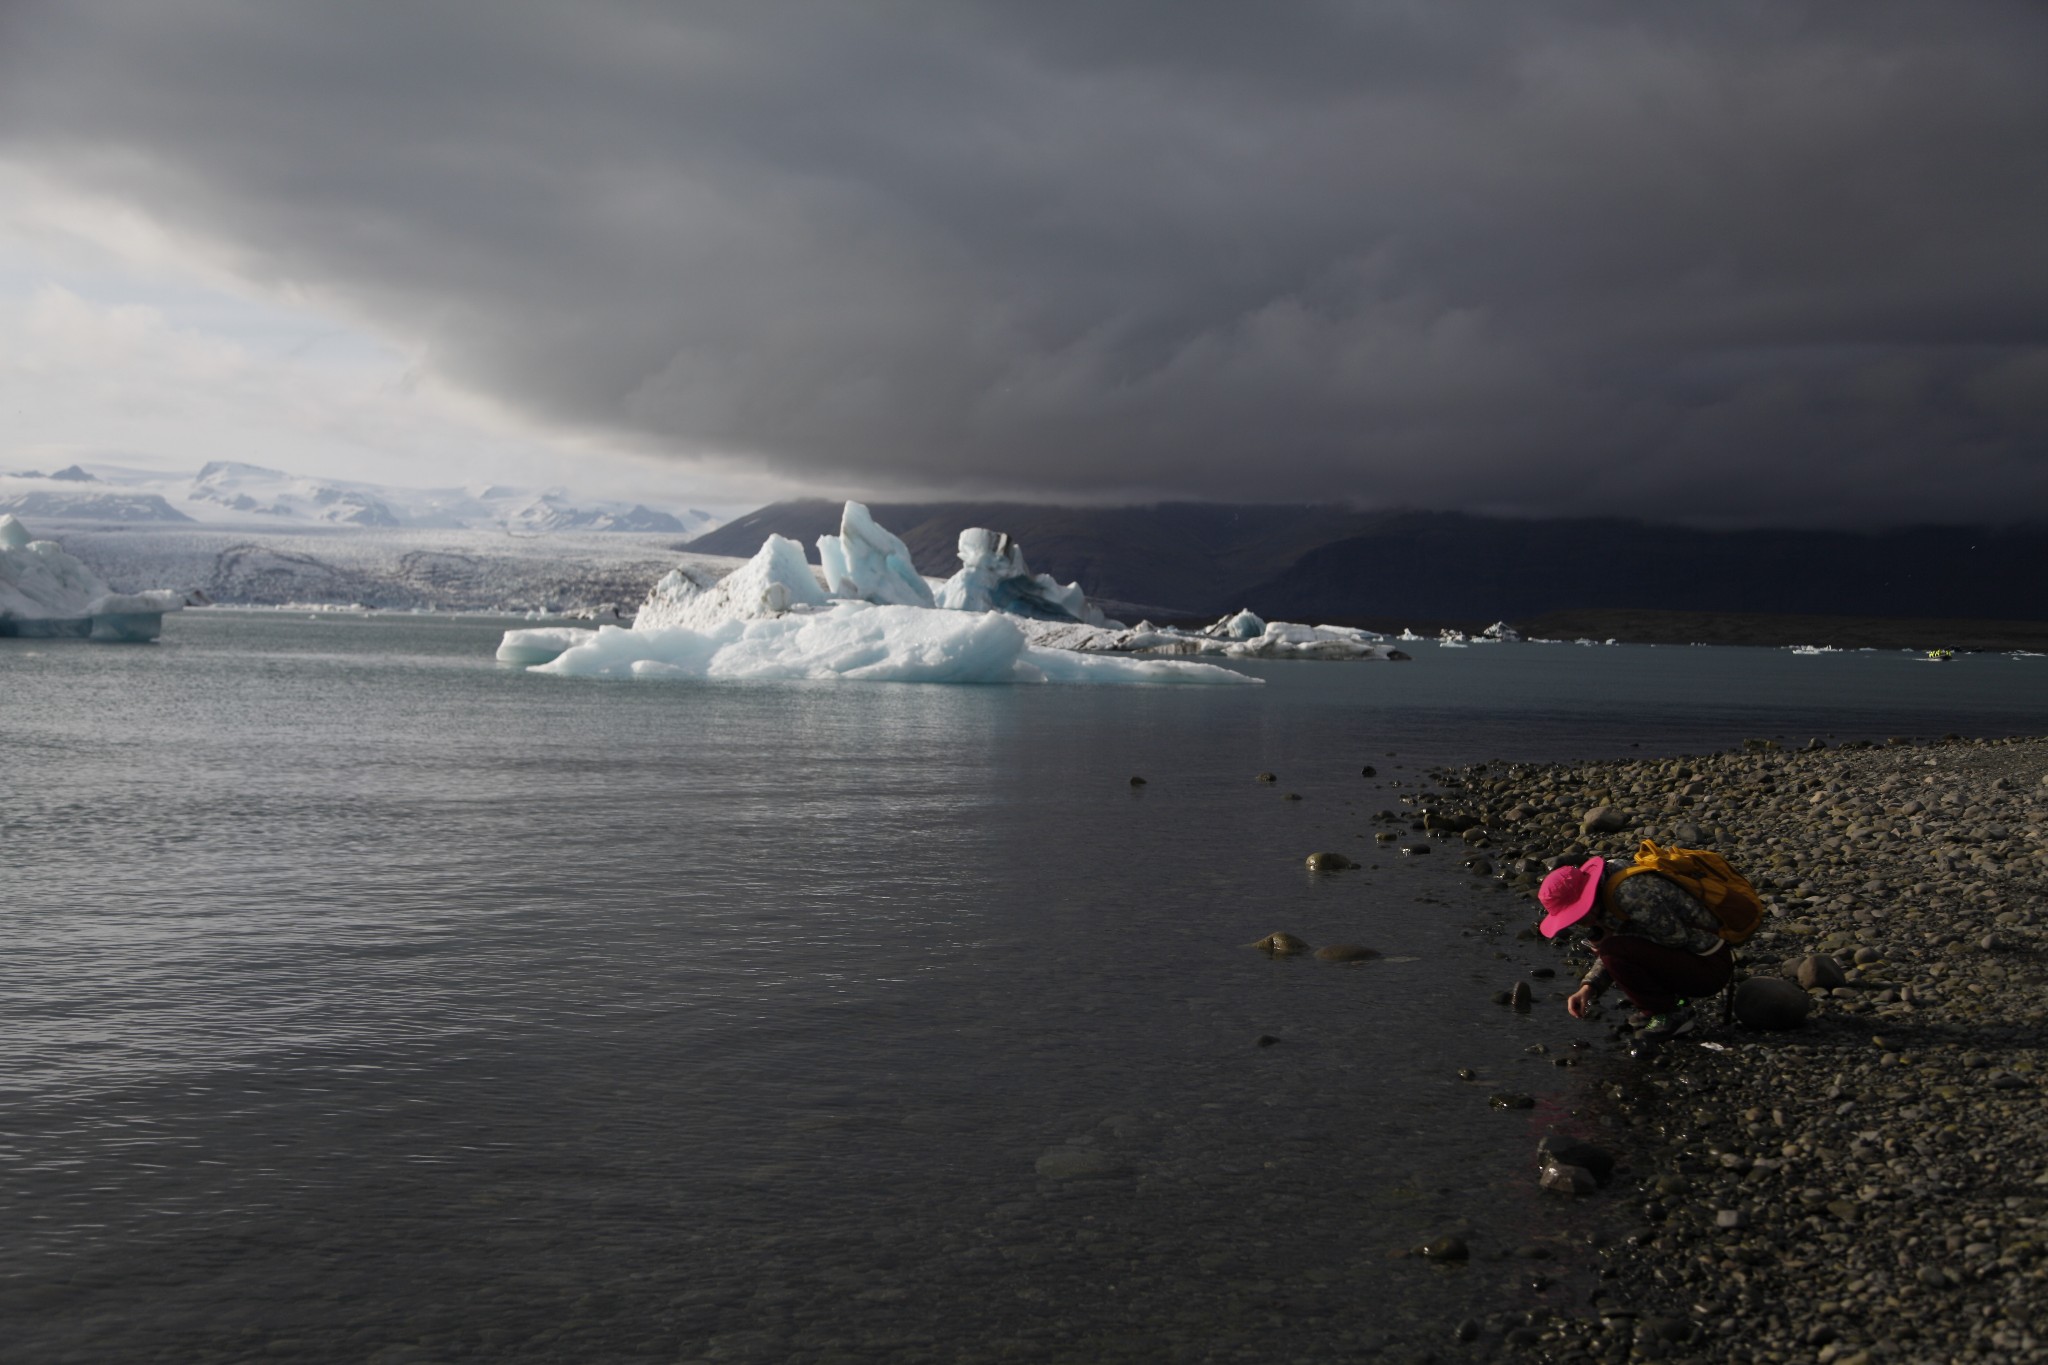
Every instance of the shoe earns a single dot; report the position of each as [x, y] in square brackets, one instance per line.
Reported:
[1672, 1023]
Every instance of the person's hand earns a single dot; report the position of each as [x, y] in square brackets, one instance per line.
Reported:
[1579, 1001]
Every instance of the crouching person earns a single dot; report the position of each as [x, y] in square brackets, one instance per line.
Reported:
[1655, 938]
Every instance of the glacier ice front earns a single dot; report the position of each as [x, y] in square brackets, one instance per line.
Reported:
[47, 593]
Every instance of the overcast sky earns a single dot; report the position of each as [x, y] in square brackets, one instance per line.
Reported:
[1766, 262]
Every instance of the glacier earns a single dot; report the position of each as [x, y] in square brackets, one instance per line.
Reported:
[45, 592]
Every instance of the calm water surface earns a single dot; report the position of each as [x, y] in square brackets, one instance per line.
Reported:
[366, 1001]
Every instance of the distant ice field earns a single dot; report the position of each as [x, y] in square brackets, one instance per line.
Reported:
[363, 995]
[438, 570]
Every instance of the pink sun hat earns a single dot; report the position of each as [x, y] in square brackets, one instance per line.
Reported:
[1568, 893]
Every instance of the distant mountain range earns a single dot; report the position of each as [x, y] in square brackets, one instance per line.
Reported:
[1325, 563]
[226, 493]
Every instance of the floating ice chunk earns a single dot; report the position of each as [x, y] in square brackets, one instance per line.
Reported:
[1243, 626]
[46, 592]
[526, 648]
[994, 577]
[1278, 640]
[866, 562]
[774, 581]
[851, 640]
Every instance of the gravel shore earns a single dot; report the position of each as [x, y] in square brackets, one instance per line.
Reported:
[1870, 1186]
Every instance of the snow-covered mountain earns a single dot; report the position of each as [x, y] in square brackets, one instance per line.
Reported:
[227, 493]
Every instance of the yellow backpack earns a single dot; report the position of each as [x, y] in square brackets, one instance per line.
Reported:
[1707, 877]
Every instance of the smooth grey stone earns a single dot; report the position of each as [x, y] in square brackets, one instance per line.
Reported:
[1819, 970]
[1769, 1002]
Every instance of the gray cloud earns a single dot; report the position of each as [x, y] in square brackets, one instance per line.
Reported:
[1747, 262]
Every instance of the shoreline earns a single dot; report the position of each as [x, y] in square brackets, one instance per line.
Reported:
[1873, 1185]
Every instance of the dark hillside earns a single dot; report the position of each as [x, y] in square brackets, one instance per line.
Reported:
[1331, 563]
[1191, 557]
[1448, 565]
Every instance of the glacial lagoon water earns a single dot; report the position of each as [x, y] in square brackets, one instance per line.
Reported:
[365, 1000]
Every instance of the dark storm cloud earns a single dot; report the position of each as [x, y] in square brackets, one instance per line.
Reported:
[1763, 262]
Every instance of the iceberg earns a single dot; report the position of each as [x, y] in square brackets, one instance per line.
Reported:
[1243, 626]
[867, 615]
[45, 592]
[855, 641]
[772, 619]
[994, 577]
[870, 564]
[1274, 640]
[774, 581]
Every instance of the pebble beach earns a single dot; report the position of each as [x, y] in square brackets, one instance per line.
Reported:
[1872, 1183]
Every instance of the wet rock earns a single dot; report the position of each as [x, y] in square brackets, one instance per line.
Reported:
[1447, 1248]
[1267, 777]
[1562, 1178]
[1281, 945]
[1137, 782]
[1505, 1101]
[1597, 1160]
[1416, 847]
[1329, 862]
[1292, 796]
[1368, 771]
[1819, 970]
[1521, 997]
[1346, 952]
[1771, 1003]
[1264, 1040]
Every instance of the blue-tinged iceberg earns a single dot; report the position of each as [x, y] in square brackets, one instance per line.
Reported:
[872, 619]
[994, 577]
[47, 593]
[868, 564]
[857, 641]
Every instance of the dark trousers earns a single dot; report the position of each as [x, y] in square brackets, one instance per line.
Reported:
[1655, 977]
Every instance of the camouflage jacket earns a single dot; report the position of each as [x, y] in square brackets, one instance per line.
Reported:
[1661, 911]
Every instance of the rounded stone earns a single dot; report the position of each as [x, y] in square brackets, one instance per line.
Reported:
[1603, 820]
[1769, 1002]
[1282, 944]
[1819, 970]
[1329, 862]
